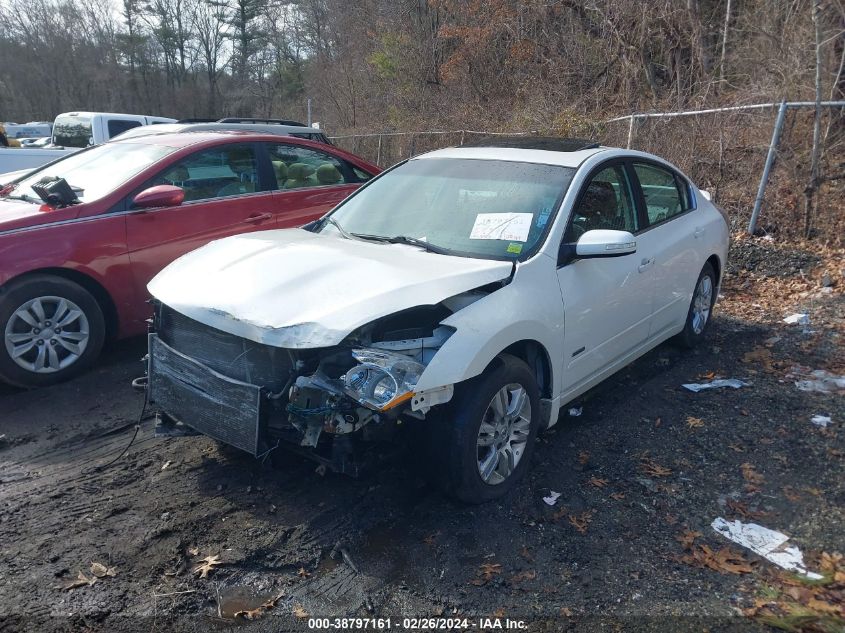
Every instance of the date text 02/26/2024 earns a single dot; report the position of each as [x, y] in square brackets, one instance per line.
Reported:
[417, 624]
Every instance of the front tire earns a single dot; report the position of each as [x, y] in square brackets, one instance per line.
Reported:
[701, 308]
[52, 330]
[489, 432]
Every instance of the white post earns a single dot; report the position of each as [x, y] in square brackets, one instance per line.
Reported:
[770, 159]
[630, 132]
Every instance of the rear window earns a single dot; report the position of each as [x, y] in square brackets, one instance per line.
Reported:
[72, 131]
[662, 195]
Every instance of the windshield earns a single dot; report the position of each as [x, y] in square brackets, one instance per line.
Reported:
[96, 172]
[72, 131]
[490, 209]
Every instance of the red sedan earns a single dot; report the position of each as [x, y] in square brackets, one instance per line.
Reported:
[81, 237]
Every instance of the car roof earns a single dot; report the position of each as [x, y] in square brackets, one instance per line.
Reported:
[572, 158]
[180, 139]
[261, 128]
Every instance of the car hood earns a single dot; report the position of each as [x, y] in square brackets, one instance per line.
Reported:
[296, 289]
[16, 214]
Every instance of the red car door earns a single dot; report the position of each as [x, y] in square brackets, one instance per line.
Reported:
[224, 195]
[310, 182]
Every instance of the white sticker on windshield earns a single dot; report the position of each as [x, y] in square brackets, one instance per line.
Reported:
[512, 227]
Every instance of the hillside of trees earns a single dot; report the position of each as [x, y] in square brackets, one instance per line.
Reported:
[555, 66]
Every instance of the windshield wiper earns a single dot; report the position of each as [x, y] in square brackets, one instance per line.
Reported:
[23, 197]
[413, 241]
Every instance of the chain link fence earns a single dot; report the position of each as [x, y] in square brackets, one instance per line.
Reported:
[723, 150]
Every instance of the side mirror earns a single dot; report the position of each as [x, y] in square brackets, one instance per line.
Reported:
[159, 196]
[605, 243]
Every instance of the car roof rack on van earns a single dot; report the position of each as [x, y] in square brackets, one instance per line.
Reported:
[549, 143]
[264, 121]
[197, 121]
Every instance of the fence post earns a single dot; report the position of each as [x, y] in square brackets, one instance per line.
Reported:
[770, 159]
[630, 131]
[462, 137]
[378, 152]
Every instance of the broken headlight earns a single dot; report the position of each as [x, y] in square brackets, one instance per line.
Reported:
[382, 379]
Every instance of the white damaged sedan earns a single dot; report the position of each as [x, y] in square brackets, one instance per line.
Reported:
[468, 294]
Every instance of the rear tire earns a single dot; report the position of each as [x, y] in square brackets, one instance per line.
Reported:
[700, 311]
[52, 329]
[485, 438]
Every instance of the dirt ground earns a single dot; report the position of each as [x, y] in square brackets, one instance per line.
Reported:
[642, 473]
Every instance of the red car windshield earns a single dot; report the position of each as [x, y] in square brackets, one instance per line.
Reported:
[96, 172]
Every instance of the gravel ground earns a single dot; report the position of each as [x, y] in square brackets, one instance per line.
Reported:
[644, 464]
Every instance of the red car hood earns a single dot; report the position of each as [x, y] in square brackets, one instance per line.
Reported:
[16, 214]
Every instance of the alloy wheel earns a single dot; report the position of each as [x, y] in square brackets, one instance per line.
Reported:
[47, 334]
[503, 434]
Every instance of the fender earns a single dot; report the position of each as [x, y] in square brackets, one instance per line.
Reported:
[490, 325]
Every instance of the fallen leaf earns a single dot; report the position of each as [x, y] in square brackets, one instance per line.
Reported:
[485, 573]
[658, 422]
[736, 448]
[193, 551]
[751, 475]
[272, 602]
[791, 494]
[566, 611]
[829, 562]
[499, 613]
[207, 565]
[598, 483]
[250, 614]
[687, 537]
[725, 560]
[302, 573]
[299, 611]
[741, 509]
[81, 581]
[761, 355]
[694, 423]
[581, 521]
[583, 458]
[671, 519]
[618, 496]
[526, 555]
[649, 467]
[822, 606]
[101, 571]
[166, 465]
[523, 576]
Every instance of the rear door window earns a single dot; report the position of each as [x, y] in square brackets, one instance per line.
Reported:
[297, 167]
[663, 198]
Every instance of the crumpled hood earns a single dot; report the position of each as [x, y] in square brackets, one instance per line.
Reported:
[296, 289]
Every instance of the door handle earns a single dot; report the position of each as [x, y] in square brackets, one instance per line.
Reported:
[255, 219]
[648, 261]
[698, 232]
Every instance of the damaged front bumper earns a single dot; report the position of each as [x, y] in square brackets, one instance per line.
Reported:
[254, 397]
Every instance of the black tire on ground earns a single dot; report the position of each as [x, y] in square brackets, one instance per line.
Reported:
[16, 295]
[453, 440]
[689, 337]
